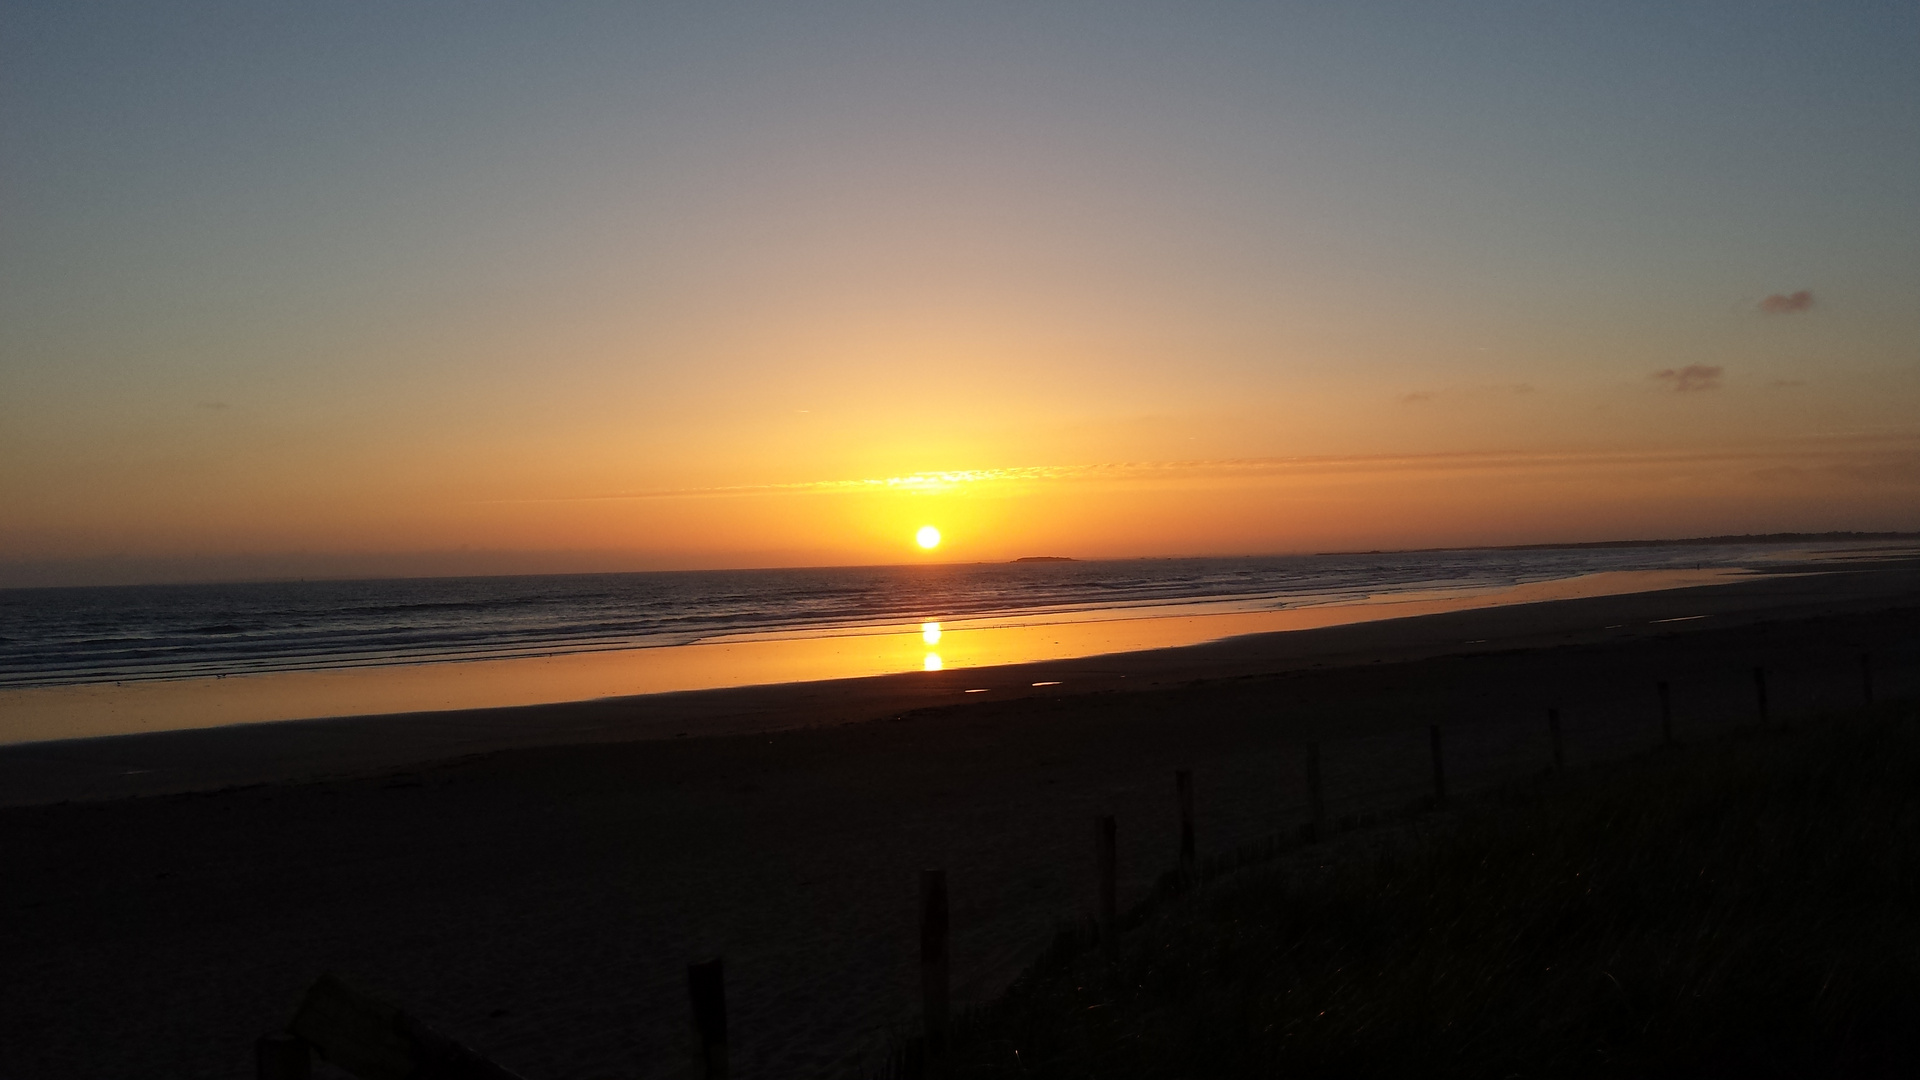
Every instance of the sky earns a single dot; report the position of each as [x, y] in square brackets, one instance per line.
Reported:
[356, 288]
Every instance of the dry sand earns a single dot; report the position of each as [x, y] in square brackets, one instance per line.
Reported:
[534, 880]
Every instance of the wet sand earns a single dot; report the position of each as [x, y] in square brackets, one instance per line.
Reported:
[534, 880]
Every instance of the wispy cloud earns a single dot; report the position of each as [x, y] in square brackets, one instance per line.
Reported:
[1787, 303]
[912, 482]
[1692, 377]
[1858, 456]
[1417, 396]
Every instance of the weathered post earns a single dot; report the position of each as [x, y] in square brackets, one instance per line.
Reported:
[1316, 796]
[1106, 865]
[1866, 677]
[1183, 785]
[1439, 772]
[1760, 692]
[1666, 713]
[935, 973]
[282, 1057]
[1553, 730]
[707, 988]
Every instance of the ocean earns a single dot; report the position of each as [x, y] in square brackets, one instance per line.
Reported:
[77, 636]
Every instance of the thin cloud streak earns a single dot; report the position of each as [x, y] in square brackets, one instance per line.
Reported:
[1847, 448]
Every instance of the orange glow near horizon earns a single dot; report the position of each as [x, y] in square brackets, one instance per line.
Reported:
[666, 293]
[1220, 507]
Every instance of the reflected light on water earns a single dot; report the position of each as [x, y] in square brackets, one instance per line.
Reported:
[933, 661]
[930, 633]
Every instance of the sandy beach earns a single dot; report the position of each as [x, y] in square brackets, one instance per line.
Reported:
[534, 879]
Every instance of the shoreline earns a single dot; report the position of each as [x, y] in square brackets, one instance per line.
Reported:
[213, 757]
[100, 709]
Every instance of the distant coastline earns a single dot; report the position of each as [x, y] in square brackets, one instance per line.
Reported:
[1743, 538]
[1045, 558]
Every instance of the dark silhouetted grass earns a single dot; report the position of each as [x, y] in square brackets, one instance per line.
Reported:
[1747, 908]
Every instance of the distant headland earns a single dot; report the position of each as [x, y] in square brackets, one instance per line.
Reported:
[1045, 558]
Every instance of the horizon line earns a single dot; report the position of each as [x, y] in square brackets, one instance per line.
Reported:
[1832, 535]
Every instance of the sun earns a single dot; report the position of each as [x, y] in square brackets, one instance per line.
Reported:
[928, 537]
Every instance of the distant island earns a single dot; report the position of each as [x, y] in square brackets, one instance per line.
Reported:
[1046, 558]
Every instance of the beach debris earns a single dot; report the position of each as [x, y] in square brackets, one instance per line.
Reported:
[376, 1041]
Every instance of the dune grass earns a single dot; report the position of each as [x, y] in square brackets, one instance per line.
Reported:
[1746, 908]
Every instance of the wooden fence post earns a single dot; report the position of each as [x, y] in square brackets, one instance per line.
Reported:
[1316, 796]
[1553, 729]
[935, 977]
[1666, 713]
[1866, 677]
[1106, 860]
[1760, 692]
[1439, 772]
[707, 988]
[282, 1057]
[1183, 786]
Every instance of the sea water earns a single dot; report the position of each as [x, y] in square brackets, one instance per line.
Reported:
[76, 636]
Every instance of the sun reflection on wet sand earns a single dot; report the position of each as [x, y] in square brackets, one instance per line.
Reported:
[28, 715]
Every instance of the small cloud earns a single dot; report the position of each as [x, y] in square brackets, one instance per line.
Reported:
[1691, 377]
[1787, 303]
[1788, 382]
[215, 405]
[1521, 388]
[1417, 396]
